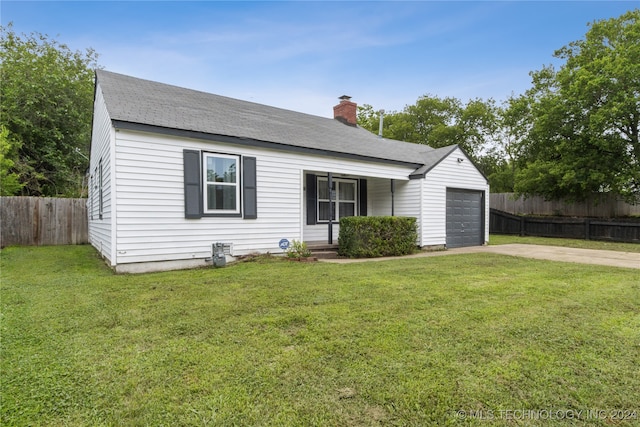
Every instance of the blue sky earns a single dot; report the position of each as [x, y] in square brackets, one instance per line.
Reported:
[303, 55]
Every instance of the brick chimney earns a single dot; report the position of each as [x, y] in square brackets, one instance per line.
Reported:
[346, 111]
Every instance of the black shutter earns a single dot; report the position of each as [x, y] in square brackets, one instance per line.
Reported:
[249, 193]
[312, 199]
[192, 188]
[363, 197]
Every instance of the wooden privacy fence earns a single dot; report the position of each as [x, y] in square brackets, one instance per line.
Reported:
[601, 206]
[43, 221]
[615, 230]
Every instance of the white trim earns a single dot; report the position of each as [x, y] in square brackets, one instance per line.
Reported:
[421, 216]
[206, 183]
[337, 200]
[302, 199]
[113, 196]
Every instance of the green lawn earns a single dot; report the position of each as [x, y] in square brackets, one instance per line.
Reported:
[498, 239]
[409, 342]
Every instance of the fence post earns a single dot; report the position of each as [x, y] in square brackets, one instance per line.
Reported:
[522, 220]
[587, 229]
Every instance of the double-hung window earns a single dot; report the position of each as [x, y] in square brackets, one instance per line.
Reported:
[221, 183]
[344, 199]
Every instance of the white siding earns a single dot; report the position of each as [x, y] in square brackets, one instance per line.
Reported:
[449, 173]
[407, 201]
[407, 198]
[149, 181]
[100, 229]
[151, 224]
[379, 199]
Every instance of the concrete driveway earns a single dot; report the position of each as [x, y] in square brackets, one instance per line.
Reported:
[551, 253]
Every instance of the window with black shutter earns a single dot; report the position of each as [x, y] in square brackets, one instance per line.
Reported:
[213, 187]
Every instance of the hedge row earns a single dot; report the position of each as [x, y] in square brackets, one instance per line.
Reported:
[376, 236]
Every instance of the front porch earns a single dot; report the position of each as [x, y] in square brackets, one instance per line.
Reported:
[331, 196]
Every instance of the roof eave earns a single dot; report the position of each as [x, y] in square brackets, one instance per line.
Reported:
[422, 174]
[240, 140]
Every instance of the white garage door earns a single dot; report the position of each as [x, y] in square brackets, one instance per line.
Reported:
[465, 225]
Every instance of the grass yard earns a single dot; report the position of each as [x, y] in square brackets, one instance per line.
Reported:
[501, 239]
[452, 340]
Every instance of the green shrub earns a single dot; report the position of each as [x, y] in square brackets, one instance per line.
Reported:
[298, 250]
[376, 236]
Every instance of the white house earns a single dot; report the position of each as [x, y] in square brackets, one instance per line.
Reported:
[174, 171]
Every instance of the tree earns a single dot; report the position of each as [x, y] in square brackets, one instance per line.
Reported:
[47, 97]
[9, 182]
[502, 159]
[437, 122]
[585, 117]
[368, 118]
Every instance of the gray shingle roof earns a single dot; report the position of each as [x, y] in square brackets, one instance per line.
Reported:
[137, 101]
[431, 159]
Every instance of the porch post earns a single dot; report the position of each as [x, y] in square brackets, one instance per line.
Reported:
[393, 190]
[331, 197]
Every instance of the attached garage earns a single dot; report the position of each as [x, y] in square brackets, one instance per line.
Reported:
[465, 218]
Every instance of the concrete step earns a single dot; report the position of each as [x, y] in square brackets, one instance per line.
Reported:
[325, 254]
[315, 246]
[323, 250]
